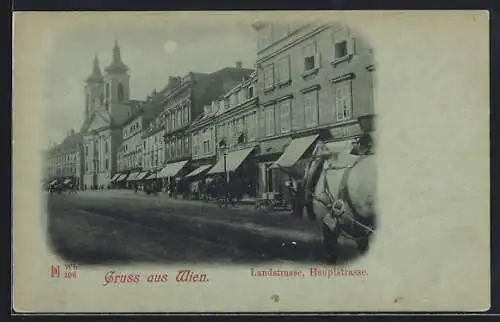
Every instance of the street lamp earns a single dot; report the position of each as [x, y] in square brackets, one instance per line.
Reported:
[224, 150]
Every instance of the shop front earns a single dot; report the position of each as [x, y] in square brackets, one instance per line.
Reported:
[237, 167]
[272, 174]
[171, 175]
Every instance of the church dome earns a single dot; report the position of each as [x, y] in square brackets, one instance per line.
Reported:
[117, 65]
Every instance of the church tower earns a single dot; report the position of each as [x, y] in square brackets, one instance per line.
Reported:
[94, 95]
[116, 81]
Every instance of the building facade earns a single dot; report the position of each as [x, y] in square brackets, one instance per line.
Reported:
[64, 161]
[130, 154]
[235, 135]
[313, 82]
[107, 106]
[183, 102]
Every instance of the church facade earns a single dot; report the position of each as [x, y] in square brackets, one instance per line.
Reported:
[107, 107]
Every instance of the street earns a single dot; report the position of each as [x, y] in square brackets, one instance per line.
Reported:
[94, 227]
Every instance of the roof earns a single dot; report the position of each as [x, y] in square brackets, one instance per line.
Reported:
[71, 142]
[144, 109]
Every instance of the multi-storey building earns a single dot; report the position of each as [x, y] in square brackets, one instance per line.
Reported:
[314, 81]
[130, 158]
[183, 102]
[107, 106]
[64, 161]
[203, 139]
[235, 134]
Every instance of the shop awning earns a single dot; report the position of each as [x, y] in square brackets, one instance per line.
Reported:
[67, 181]
[171, 169]
[233, 161]
[121, 177]
[132, 175]
[199, 170]
[141, 176]
[115, 177]
[294, 152]
[52, 182]
[152, 175]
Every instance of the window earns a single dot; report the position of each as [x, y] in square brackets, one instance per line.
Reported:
[311, 56]
[311, 108]
[177, 148]
[120, 93]
[236, 98]
[285, 108]
[250, 92]
[206, 146]
[343, 103]
[268, 77]
[186, 115]
[283, 70]
[341, 49]
[194, 144]
[242, 95]
[222, 106]
[186, 144]
[343, 45]
[269, 112]
[106, 164]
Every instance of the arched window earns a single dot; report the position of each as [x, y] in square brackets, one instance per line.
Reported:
[120, 92]
[108, 91]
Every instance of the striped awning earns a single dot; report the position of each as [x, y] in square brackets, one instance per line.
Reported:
[171, 169]
[141, 176]
[232, 161]
[115, 176]
[294, 152]
[150, 176]
[121, 177]
[199, 170]
[132, 175]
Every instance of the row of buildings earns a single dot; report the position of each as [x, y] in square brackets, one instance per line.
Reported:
[311, 81]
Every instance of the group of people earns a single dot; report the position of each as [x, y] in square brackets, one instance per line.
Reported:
[62, 187]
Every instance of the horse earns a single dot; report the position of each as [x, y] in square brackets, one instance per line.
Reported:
[340, 193]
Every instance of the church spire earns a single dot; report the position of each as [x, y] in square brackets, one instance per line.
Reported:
[117, 65]
[96, 75]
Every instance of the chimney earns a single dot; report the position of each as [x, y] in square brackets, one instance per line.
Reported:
[239, 64]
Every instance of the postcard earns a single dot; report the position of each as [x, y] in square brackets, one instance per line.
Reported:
[295, 161]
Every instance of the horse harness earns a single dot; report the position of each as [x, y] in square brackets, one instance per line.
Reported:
[340, 205]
